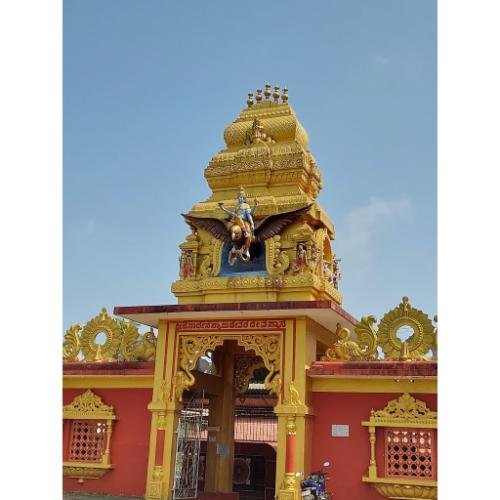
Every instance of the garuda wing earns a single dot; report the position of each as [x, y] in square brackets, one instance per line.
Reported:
[273, 224]
[215, 227]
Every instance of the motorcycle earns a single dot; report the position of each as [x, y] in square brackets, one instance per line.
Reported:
[313, 486]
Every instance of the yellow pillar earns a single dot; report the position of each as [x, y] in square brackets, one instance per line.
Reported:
[295, 402]
[163, 418]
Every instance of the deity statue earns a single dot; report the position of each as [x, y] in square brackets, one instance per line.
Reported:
[206, 266]
[315, 256]
[327, 271]
[335, 277]
[187, 265]
[257, 134]
[243, 211]
[300, 262]
[241, 230]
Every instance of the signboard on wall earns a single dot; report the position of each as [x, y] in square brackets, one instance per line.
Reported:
[340, 430]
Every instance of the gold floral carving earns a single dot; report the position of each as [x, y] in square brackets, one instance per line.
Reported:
[88, 406]
[71, 345]
[289, 489]
[318, 287]
[155, 487]
[405, 409]
[367, 336]
[291, 425]
[161, 423]
[83, 472]
[420, 342]
[290, 481]
[406, 491]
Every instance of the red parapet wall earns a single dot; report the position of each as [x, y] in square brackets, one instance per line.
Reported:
[349, 456]
[129, 443]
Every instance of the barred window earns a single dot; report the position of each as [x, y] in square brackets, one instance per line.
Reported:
[410, 453]
[87, 440]
[87, 437]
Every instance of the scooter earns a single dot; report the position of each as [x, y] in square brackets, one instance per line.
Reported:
[313, 486]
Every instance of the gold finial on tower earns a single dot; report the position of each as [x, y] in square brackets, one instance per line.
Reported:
[276, 94]
[258, 97]
[267, 92]
[284, 95]
[250, 100]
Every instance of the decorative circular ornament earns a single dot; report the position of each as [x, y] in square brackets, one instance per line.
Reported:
[241, 471]
[417, 345]
[102, 323]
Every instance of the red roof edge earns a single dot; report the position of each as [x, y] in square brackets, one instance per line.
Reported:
[235, 306]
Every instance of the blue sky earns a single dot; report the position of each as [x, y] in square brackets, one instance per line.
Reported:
[149, 88]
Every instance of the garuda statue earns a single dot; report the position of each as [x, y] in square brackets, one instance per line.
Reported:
[240, 228]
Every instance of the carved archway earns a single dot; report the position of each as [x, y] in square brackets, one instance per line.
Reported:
[263, 337]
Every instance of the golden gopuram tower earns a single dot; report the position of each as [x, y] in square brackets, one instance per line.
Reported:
[267, 166]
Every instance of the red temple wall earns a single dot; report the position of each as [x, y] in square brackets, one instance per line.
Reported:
[129, 443]
[349, 456]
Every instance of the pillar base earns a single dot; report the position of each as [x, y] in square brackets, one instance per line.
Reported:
[290, 488]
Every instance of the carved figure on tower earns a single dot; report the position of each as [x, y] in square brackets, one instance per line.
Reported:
[300, 262]
[336, 277]
[243, 211]
[186, 265]
[240, 228]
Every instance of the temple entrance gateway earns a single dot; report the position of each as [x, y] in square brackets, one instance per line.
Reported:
[234, 359]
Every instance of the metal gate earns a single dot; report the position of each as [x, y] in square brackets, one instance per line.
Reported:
[192, 423]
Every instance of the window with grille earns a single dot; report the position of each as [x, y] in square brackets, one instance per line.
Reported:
[87, 437]
[404, 433]
[87, 440]
[410, 453]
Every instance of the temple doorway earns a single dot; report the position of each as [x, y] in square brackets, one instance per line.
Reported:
[239, 433]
